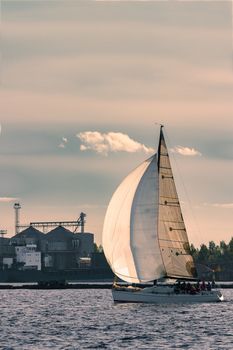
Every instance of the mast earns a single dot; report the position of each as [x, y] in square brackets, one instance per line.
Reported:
[159, 147]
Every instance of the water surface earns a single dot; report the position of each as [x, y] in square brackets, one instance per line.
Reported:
[88, 319]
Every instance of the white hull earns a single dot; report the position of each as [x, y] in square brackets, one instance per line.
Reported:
[142, 296]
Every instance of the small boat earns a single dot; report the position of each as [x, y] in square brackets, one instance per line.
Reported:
[145, 239]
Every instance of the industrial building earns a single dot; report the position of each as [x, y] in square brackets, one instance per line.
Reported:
[29, 235]
[59, 249]
[64, 249]
[7, 253]
[45, 251]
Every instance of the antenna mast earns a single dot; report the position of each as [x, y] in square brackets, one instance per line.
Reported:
[17, 208]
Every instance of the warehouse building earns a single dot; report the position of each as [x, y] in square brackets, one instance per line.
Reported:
[59, 249]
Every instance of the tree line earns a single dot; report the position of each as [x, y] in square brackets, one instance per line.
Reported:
[214, 260]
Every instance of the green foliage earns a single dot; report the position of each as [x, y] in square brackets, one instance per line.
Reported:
[204, 253]
[98, 249]
[217, 258]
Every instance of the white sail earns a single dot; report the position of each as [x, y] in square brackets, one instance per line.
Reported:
[144, 236]
[130, 238]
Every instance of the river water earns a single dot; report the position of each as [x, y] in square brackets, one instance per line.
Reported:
[88, 319]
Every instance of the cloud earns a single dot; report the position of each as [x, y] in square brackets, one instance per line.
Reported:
[103, 143]
[223, 205]
[63, 143]
[8, 199]
[219, 205]
[185, 151]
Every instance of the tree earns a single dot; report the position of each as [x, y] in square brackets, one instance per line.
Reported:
[216, 257]
[230, 246]
[223, 247]
[193, 251]
[95, 248]
[203, 255]
[98, 249]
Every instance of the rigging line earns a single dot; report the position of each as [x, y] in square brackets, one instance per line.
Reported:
[193, 216]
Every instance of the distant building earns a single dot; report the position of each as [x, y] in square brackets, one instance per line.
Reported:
[33, 258]
[85, 242]
[63, 249]
[28, 257]
[59, 249]
[20, 252]
[7, 253]
[28, 236]
[98, 260]
[7, 263]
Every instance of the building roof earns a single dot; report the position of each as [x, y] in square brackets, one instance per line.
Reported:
[30, 232]
[4, 240]
[60, 233]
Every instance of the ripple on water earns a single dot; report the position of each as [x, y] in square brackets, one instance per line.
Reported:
[88, 319]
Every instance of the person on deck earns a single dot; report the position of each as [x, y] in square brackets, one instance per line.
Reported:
[209, 286]
[203, 285]
[177, 288]
[197, 287]
[188, 287]
[183, 287]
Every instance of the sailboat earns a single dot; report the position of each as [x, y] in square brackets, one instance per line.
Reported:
[145, 239]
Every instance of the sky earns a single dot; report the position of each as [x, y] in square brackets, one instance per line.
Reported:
[82, 86]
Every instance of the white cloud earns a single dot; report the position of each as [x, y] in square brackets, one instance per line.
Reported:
[8, 199]
[219, 205]
[63, 143]
[104, 143]
[185, 151]
[223, 205]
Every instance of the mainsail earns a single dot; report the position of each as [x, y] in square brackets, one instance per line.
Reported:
[144, 236]
[173, 239]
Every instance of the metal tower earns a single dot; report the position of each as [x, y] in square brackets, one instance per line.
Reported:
[82, 221]
[17, 208]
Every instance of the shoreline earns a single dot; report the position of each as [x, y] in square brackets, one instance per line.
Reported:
[80, 285]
